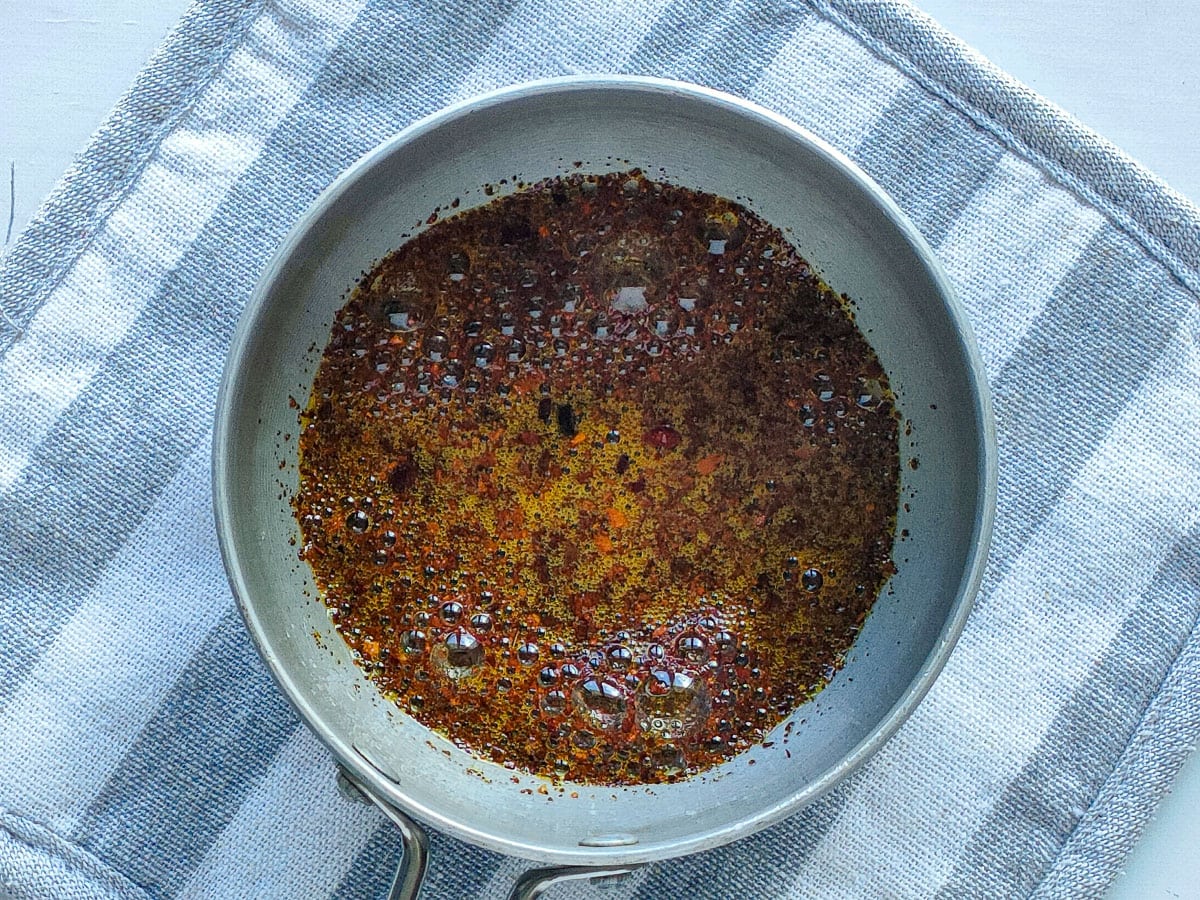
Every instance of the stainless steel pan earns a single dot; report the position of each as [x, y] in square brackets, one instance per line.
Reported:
[855, 236]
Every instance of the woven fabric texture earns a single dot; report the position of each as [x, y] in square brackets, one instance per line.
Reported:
[144, 750]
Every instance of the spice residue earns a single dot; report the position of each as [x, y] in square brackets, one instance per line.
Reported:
[599, 479]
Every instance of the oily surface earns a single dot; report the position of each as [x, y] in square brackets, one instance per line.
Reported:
[599, 479]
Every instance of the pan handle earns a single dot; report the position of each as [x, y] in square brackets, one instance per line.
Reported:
[534, 882]
[410, 871]
[414, 842]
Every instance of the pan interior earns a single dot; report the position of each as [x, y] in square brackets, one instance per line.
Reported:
[854, 239]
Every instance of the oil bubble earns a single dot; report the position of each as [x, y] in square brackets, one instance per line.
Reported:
[437, 346]
[527, 654]
[620, 658]
[412, 641]
[692, 648]
[462, 652]
[601, 701]
[483, 353]
[669, 759]
[869, 393]
[671, 703]
[452, 373]
[401, 315]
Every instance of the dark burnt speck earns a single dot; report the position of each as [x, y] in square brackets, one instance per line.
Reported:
[568, 420]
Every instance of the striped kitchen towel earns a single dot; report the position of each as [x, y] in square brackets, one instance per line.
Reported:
[144, 750]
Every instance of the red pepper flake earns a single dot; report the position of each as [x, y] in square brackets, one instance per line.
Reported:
[527, 383]
[662, 437]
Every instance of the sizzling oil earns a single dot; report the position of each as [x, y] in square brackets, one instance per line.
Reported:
[599, 479]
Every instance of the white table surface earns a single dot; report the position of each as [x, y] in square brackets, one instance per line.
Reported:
[1130, 69]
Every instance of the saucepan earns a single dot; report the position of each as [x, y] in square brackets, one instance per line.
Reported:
[856, 238]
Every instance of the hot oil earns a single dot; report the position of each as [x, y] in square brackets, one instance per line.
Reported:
[599, 479]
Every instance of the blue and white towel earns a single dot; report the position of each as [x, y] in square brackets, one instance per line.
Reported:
[144, 751]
